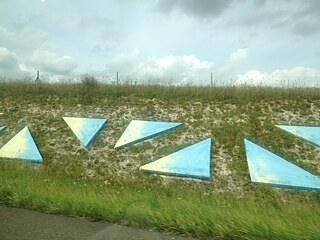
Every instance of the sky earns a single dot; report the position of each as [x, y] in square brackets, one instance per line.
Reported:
[253, 42]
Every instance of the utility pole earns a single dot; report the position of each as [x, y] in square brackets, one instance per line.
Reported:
[211, 80]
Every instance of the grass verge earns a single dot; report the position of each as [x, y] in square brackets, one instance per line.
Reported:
[186, 211]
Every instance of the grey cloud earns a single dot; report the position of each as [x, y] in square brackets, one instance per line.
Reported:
[310, 8]
[102, 47]
[266, 13]
[166, 5]
[124, 62]
[22, 42]
[8, 59]
[89, 22]
[197, 8]
[302, 17]
[260, 3]
[306, 28]
[103, 31]
[9, 65]
[275, 19]
[307, 18]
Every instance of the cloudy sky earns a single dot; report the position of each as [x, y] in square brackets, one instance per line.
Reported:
[265, 42]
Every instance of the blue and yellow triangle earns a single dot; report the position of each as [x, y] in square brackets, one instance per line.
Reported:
[86, 129]
[267, 167]
[192, 161]
[21, 146]
[309, 133]
[139, 130]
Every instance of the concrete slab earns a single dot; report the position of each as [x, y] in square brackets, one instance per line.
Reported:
[309, 133]
[192, 161]
[86, 129]
[139, 130]
[267, 167]
[22, 147]
[2, 128]
[17, 224]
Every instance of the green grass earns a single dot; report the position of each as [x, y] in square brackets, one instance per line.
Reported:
[174, 208]
[105, 184]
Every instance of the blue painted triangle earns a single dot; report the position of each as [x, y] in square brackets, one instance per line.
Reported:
[309, 133]
[86, 129]
[21, 146]
[2, 128]
[139, 130]
[267, 167]
[192, 161]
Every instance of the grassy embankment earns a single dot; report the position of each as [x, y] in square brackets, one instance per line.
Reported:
[106, 184]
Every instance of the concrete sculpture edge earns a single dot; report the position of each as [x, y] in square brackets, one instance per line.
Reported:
[22, 147]
[86, 129]
[139, 130]
[192, 162]
[269, 168]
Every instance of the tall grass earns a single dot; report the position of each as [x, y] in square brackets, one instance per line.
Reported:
[177, 93]
[180, 211]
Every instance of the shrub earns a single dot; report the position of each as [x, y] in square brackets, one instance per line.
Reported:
[88, 80]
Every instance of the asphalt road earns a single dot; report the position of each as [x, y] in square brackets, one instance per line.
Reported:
[23, 224]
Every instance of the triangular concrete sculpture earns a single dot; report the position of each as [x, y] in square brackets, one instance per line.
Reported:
[2, 128]
[139, 130]
[192, 161]
[266, 167]
[23, 147]
[86, 129]
[309, 133]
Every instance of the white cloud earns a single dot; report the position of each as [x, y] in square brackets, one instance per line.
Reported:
[55, 79]
[294, 77]
[49, 62]
[9, 66]
[238, 56]
[26, 69]
[234, 61]
[175, 69]
[167, 69]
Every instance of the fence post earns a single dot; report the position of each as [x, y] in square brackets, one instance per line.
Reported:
[117, 78]
[38, 78]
